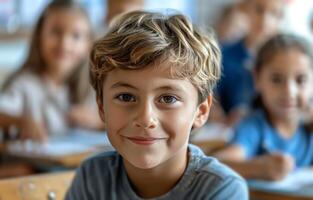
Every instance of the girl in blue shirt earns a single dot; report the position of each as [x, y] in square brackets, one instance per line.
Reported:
[274, 139]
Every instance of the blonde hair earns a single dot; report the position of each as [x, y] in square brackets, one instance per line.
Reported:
[138, 39]
[78, 80]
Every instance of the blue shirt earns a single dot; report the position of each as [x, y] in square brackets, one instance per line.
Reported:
[104, 177]
[235, 88]
[257, 136]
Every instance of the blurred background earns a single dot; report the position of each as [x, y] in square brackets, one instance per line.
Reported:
[17, 18]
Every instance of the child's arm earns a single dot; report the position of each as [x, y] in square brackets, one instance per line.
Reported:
[29, 128]
[273, 166]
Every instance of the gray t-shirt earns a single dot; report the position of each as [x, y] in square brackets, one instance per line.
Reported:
[104, 177]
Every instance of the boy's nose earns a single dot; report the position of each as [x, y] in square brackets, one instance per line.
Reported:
[145, 117]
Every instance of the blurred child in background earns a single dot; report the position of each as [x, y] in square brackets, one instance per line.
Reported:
[115, 8]
[274, 140]
[51, 91]
[236, 88]
[232, 24]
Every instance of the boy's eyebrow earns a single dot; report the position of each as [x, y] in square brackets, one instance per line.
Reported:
[166, 87]
[170, 88]
[121, 84]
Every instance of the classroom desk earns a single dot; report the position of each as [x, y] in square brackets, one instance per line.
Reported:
[262, 195]
[296, 185]
[209, 146]
[66, 151]
[210, 137]
[36, 186]
[214, 137]
[67, 161]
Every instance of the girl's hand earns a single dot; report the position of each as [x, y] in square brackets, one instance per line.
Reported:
[31, 129]
[275, 166]
[85, 117]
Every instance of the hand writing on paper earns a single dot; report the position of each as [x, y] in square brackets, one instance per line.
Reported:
[275, 166]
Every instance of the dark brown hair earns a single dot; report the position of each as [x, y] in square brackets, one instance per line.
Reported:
[281, 43]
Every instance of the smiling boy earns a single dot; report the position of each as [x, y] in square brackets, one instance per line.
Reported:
[154, 75]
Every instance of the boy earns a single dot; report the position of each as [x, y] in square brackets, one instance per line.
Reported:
[153, 75]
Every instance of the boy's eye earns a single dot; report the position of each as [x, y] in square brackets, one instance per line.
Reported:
[168, 99]
[126, 97]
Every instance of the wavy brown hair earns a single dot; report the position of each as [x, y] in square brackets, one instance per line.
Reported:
[139, 39]
[78, 80]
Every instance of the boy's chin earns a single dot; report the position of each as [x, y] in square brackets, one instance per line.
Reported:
[144, 163]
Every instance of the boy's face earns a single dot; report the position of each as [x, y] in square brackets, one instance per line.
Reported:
[149, 115]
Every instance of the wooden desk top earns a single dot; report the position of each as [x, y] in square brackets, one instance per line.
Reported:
[67, 151]
[68, 161]
[261, 195]
[36, 186]
[209, 145]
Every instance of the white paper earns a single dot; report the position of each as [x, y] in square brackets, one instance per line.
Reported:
[212, 131]
[299, 182]
[77, 141]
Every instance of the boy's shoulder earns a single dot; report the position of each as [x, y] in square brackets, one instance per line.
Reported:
[98, 177]
[100, 170]
[108, 159]
[209, 177]
[209, 166]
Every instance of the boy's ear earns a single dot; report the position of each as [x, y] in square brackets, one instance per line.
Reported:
[203, 112]
[100, 108]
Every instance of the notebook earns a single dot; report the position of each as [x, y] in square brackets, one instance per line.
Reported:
[297, 183]
[75, 142]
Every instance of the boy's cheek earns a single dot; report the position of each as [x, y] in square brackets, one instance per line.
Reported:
[116, 119]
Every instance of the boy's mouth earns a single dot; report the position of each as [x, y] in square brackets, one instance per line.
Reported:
[144, 140]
